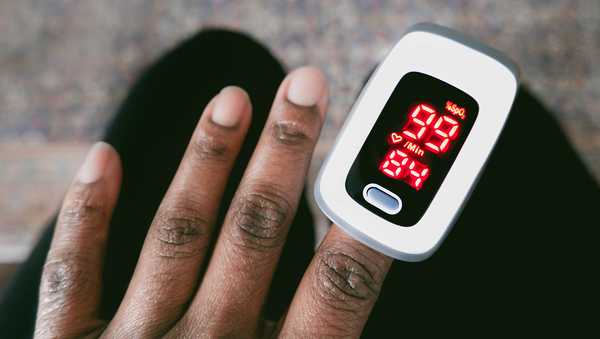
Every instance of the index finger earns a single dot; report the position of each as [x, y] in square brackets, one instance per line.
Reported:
[338, 290]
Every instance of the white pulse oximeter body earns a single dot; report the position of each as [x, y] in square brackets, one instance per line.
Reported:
[416, 141]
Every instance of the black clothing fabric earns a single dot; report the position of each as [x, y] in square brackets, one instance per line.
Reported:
[520, 256]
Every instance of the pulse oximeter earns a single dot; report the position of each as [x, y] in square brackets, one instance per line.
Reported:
[416, 141]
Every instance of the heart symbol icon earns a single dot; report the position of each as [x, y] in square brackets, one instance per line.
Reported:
[395, 137]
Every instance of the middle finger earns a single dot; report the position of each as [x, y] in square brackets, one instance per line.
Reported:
[238, 277]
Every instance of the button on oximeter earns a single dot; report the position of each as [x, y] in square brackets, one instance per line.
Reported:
[382, 198]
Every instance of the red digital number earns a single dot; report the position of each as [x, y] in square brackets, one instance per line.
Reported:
[424, 128]
[418, 121]
[417, 174]
[445, 129]
[394, 164]
[398, 165]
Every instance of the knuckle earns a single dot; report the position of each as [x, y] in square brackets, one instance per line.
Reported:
[207, 147]
[291, 133]
[82, 207]
[346, 280]
[180, 232]
[260, 218]
[61, 277]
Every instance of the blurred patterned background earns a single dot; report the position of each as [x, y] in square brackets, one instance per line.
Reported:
[66, 64]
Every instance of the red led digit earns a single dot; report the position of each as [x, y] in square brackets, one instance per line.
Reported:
[420, 118]
[417, 174]
[444, 130]
[394, 164]
[448, 126]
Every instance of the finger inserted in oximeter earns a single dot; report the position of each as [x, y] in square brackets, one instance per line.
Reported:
[416, 141]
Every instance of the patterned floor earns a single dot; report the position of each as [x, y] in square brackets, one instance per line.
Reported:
[65, 64]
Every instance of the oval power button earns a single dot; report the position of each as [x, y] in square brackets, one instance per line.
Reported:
[382, 198]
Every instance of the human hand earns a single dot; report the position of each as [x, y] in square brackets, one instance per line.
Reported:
[166, 295]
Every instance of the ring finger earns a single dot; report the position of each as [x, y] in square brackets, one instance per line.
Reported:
[167, 272]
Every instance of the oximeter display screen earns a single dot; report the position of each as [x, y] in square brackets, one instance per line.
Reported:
[413, 144]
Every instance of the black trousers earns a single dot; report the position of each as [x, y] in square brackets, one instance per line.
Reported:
[521, 256]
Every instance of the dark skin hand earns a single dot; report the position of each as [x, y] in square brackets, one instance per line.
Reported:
[166, 297]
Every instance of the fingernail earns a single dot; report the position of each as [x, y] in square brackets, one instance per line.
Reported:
[95, 163]
[307, 86]
[229, 106]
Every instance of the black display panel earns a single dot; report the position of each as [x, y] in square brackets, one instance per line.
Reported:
[413, 144]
